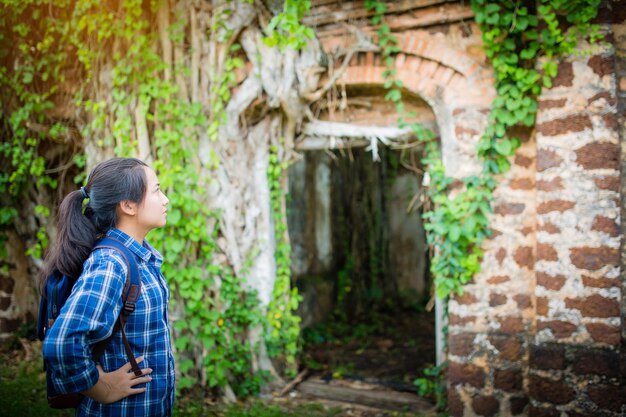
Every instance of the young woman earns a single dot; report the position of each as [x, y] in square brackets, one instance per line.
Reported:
[122, 199]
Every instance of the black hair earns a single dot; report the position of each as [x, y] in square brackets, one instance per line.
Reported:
[80, 225]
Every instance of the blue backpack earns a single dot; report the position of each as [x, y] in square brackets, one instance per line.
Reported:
[57, 291]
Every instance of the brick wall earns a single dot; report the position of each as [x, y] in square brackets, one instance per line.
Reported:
[574, 356]
[539, 331]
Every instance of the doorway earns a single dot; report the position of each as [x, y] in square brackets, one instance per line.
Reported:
[360, 261]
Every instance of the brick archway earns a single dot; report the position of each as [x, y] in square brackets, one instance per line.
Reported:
[454, 84]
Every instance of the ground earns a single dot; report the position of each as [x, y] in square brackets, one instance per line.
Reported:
[389, 349]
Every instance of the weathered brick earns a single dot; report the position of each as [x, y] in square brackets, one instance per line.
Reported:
[554, 205]
[598, 155]
[603, 333]
[560, 329]
[609, 182]
[547, 390]
[547, 357]
[546, 252]
[574, 123]
[518, 405]
[500, 255]
[498, 279]
[596, 362]
[466, 298]
[551, 282]
[523, 301]
[547, 159]
[511, 324]
[461, 344]
[601, 65]
[487, 406]
[510, 348]
[593, 259]
[522, 184]
[524, 257]
[600, 282]
[7, 284]
[509, 380]
[456, 320]
[564, 76]
[523, 161]
[610, 121]
[610, 397]
[527, 230]
[610, 99]
[542, 306]
[505, 209]
[465, 374]
[605, 225]
[555, 184]
[595, 306]
[9, 325]
[455, 404]
[549, 227]
[496, 299]
[551, 104]
[461, 131]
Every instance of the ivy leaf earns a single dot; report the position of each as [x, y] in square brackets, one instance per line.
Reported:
[504, 147]
[454, 233]
[393, 95]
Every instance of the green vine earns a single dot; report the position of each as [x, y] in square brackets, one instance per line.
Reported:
[285, 29]
[31, 37]
[283, 325]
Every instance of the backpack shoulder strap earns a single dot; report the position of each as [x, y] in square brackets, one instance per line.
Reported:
[130, 295]
[132, 288]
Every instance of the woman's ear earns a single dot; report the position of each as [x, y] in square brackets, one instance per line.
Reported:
[128, 207]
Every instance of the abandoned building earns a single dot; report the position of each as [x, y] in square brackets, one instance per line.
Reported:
[541, 330]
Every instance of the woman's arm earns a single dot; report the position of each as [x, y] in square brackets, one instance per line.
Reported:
[87, 317]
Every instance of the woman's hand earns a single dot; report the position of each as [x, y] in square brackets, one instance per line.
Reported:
[113, 386]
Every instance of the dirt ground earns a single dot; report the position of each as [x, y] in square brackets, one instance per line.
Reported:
[393, 355]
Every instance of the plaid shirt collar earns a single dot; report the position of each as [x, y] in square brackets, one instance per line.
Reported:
[145, 252]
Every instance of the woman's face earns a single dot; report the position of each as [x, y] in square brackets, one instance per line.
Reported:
[152, 212]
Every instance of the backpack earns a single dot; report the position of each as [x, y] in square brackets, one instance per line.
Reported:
[56, 292]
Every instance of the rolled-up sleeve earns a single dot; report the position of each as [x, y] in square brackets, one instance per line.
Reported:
[87, 317]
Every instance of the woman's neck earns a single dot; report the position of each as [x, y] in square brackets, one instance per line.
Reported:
[130, 230]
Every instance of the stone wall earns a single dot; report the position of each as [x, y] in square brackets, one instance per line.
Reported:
[539, 331]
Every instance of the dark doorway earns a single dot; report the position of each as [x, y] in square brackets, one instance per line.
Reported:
[360, 262]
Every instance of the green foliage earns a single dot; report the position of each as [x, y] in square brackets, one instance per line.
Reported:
[30, 37]
[283, 325]
[514, 42]
[433, 384]
[285, 30]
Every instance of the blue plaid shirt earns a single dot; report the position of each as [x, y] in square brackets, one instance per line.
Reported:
[88, 317]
